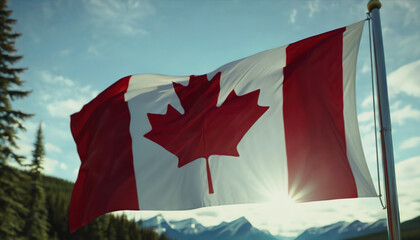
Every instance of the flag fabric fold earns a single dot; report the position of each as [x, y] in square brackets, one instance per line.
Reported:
[280, 122]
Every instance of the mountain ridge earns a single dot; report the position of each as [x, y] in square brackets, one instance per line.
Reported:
[342, 230]
[239, 229]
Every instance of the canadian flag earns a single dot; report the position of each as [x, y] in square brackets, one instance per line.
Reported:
[280, 121]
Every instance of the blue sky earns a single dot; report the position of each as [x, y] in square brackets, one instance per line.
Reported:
[75, 49]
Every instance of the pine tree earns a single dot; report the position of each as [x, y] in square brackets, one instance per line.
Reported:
[37, 221]
[111, 229]
[10, 119]
[12, 208]
[58, 193]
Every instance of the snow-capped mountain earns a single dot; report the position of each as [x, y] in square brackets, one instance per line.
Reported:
[242, 229]
[189, 229]
[342, 230]
[238, 229]
[188, 226]
[158, 223]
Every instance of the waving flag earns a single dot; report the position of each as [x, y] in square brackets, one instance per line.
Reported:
[283, 120]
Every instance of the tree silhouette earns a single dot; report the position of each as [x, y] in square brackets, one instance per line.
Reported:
[37, 221]
[10, 118]
[12, 207]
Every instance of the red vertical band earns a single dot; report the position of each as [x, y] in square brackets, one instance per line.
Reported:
[106, 180]
[318, 168]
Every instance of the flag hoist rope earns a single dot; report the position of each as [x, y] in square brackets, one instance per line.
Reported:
[393, 216]
[374, 112]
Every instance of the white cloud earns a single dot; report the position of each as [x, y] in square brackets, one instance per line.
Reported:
[61, 133]
[62, 96]
[49, 147]
[93, 50]
[76, 171]
[64, 52]
[405, 80]
[367, 102]
[366, 128]
[313, 7]
[411, 143]
[120, 16]
[408, 180]
[411, 9]
[293, 16]
[47, 77]
[50, 165]
[64, 108]
[400, 114]
[63, 166]
[365, 116]
[406, 42]
[25, 149]
[47, 10]
[409, 168]
[366, 67]
[88, 91]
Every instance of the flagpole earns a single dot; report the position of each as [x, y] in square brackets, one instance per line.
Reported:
[393, 215]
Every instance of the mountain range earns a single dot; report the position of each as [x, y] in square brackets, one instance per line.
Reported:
[241, 228]
[342, 230]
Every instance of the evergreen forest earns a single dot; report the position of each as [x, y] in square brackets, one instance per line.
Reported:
[55, 226]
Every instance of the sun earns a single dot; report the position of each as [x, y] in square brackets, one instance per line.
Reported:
[282, 200]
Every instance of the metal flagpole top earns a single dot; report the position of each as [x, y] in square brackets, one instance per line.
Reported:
[372, 4]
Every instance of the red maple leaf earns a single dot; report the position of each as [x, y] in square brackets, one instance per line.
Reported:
[204, 129]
